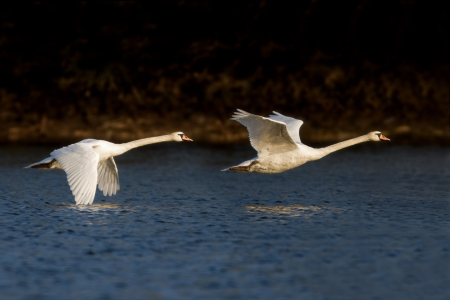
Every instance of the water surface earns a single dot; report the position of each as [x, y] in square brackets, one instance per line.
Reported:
[369, 222]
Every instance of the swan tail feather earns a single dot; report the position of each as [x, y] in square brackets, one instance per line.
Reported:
[42, 165]
[242, 168]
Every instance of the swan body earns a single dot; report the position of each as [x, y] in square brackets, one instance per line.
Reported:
[90, 162]
[277, 141]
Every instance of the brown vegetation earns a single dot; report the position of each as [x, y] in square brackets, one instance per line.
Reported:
[121, 71]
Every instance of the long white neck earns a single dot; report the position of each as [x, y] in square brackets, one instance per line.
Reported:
[138, 143]
[321, 152]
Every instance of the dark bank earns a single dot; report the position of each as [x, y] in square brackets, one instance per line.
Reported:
[124, 70]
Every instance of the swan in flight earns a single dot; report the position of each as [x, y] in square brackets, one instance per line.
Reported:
[277, 141]
[90, 162]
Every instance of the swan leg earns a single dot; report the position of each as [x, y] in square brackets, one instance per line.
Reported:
[243, 168]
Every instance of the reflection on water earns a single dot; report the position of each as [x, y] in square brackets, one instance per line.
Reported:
[97, 207]
[101, 213]
[295, 210]
[94, 208]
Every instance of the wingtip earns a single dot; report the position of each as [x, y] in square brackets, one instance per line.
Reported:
[240, 111]
[239, 114]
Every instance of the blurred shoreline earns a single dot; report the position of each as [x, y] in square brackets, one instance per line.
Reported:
[204, 130]
[124, 70]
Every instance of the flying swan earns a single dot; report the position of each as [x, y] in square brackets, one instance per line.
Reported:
[277, 141]
[90, 162]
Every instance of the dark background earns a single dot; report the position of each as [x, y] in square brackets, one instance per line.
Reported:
[126, 69]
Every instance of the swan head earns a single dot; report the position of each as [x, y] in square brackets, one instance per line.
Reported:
[180, 137]
[376, 136]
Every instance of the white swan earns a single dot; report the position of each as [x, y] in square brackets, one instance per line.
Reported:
[277, 141]
[90, 162]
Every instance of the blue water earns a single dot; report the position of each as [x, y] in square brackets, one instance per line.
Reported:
[369, 222]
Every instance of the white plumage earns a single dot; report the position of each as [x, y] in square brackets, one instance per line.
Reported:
[90, 162]
[267, 135]
[80, 163]
[108, 177]
[277, 142]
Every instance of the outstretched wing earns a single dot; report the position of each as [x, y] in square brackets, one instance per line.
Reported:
[292, 125]
[267, 136]
[108, 177]
[79, 161]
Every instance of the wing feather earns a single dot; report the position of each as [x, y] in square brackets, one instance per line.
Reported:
[83, 189]
[292, 125]
[109, 177]
[79, 161]
[111, 185]
[101, 175]
[76, 184]
[114, 185]
[267, 136]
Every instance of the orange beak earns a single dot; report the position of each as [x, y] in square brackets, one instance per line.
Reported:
[382, 137]
[185, 138]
